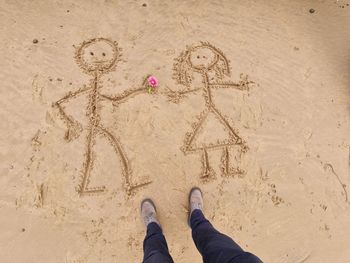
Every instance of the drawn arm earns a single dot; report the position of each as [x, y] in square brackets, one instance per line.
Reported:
[188, 91]
[243, 84]
[176, 96]
[125, 95]
[74, 128]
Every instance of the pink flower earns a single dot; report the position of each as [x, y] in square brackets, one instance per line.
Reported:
[152, 80]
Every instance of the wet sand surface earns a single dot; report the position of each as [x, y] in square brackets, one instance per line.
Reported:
[264, 132]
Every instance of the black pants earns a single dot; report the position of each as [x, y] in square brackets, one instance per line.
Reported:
[213, 246]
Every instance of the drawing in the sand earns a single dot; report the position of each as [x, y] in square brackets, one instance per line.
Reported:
[97, 57]
[211, 65]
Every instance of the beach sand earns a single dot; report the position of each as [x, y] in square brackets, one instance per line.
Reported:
[271, 151]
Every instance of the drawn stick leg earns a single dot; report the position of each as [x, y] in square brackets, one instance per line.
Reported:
[88, 165]
[207, 171]
[127, 172]
[225, 162]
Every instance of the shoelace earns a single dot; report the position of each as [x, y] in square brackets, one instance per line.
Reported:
[149, 218]
[195, 205]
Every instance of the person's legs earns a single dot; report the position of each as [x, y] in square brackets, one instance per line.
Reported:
[154, 246]
[214, 246]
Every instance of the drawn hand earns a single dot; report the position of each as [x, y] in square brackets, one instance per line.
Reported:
[244, 82]
[73, 131]
[243, 144]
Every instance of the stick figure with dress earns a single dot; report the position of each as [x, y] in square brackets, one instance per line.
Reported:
[210, 64]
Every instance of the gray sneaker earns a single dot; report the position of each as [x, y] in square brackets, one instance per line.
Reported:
[148, 212]
[195, 201]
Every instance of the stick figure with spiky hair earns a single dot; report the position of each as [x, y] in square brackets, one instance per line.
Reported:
[210, 64]
[97, 57]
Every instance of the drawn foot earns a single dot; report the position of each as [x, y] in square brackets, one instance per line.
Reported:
[234, 172]
[131, 189]
[208, 174]
[228, 171]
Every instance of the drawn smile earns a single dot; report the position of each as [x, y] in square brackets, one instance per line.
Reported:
[98, 62]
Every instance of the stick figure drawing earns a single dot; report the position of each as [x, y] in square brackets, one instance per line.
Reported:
[97, 57]
[211, 66]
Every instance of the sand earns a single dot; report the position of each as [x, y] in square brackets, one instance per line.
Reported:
[264, 133]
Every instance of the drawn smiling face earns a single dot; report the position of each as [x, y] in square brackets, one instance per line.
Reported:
[97, 55]
[202, 58]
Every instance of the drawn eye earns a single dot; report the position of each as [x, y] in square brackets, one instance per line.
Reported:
[104, 54]
[91, 53]
[198, 56]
